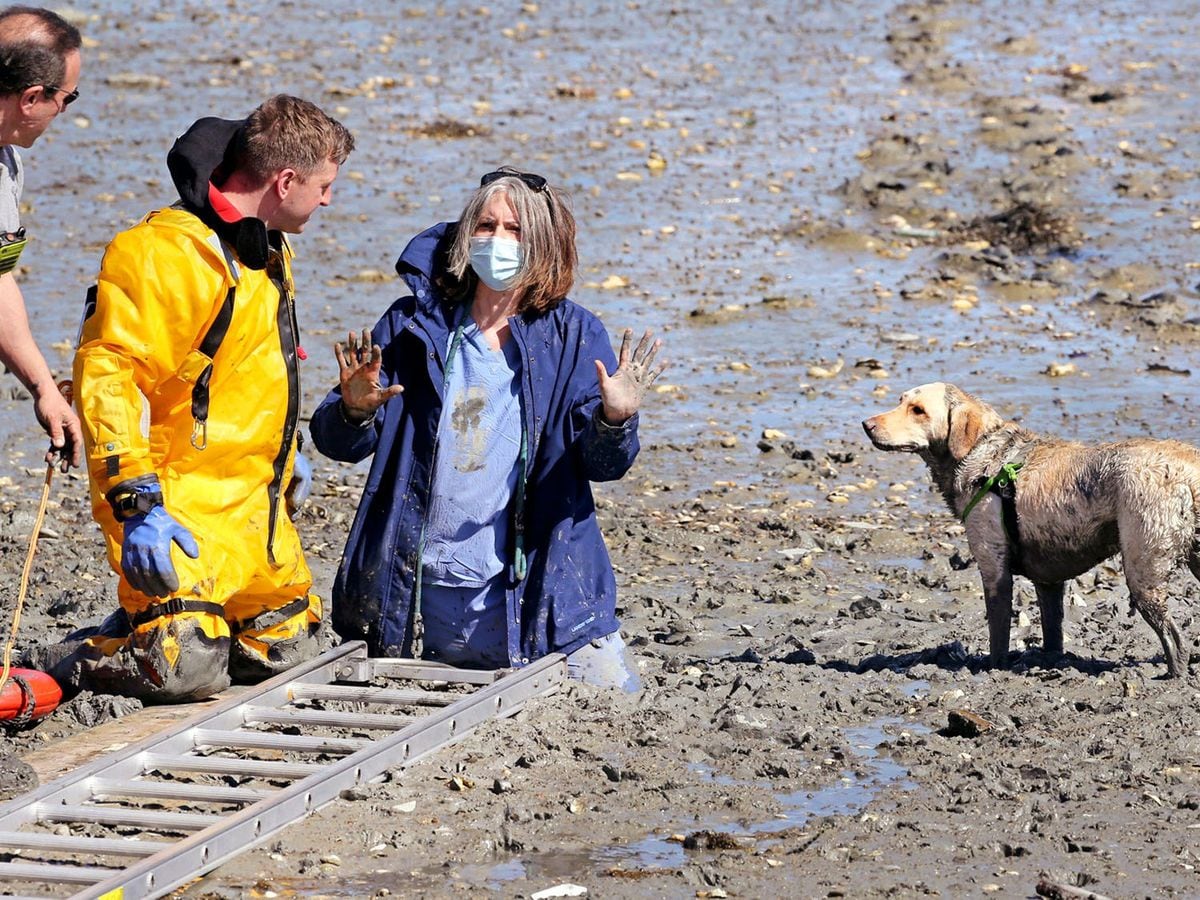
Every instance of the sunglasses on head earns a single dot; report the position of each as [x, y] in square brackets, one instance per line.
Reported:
[533, 182]
[68, 98]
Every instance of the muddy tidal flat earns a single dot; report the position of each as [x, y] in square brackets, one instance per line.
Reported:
[817, 205]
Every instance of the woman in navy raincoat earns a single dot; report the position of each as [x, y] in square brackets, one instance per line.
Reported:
[490, 402]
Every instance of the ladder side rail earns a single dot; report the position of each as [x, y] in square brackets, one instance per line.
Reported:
[73, 788]
[205, 850]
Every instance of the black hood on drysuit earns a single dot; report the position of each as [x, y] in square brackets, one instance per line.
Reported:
[204, 149]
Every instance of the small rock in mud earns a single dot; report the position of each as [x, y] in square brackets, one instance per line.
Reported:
[16, 776]
[91, 709]
[964, 723]
[711, 840]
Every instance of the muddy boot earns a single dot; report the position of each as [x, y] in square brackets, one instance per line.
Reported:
[173, 658]
[56, 660]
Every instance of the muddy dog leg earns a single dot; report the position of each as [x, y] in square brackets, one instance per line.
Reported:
[1050, 603]
[1150, 548]
[1153, 607]
[997, 596]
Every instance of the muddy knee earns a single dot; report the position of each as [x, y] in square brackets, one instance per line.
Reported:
[276, 640]
[169, 659]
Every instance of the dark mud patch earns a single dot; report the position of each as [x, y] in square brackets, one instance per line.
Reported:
[1023, 228]
[450, 130]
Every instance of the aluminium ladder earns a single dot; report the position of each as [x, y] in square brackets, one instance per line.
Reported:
[151, 817]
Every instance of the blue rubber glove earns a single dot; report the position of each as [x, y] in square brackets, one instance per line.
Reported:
[300, 485]
[146, 551]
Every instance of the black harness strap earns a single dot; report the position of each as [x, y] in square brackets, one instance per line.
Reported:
[174, 607]
[209, 346]
[1007, 492]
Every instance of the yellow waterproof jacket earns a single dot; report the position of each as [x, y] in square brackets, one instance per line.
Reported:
[161, 286]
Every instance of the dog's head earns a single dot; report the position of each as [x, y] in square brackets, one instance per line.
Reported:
[933, 418]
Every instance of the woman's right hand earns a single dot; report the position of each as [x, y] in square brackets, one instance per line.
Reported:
[358, 371]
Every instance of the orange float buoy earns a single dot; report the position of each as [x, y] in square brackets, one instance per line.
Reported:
[27, 695]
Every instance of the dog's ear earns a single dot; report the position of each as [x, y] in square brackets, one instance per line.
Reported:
[968, 420]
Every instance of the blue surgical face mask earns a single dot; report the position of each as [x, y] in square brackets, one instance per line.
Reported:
[497, 261]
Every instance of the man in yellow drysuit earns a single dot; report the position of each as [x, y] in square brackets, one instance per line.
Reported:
[192, 329]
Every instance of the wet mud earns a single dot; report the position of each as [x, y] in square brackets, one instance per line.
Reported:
[817, 206]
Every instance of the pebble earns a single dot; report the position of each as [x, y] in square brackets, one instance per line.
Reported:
[1058, 370]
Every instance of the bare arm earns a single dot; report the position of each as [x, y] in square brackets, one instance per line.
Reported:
[20, 353]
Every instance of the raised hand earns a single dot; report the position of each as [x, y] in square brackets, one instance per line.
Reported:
[621, 392]
[358, 371]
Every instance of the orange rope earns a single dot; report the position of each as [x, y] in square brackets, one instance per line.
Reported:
[16, 622]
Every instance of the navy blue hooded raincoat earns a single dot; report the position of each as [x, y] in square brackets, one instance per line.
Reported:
[564, 593]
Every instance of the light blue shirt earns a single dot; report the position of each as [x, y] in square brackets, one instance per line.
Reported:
[475, 473]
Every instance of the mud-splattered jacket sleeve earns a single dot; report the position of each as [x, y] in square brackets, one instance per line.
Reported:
[607, 451]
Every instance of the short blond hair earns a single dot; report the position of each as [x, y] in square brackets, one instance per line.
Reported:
[287, 132]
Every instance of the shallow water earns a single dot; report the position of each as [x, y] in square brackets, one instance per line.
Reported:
[851, 793]
[759, 110]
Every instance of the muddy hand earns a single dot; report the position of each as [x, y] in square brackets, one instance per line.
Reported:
[623, 390]
[358, 371]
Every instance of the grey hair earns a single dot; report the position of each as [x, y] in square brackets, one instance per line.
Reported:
[547, 243]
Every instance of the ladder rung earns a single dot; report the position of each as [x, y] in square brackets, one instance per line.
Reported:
[59, 874]
[358, 694]
[174, 790]
[421, 670]
[223, 765]
[114, 815]
[261, 740]
[35, 840]
[266, 714]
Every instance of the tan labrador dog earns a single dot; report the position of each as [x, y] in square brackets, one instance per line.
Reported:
[1075, 506]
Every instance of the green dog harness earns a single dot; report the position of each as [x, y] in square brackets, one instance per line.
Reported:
[1004, 485]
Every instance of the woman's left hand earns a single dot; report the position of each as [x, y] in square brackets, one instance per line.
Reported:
[621, 392]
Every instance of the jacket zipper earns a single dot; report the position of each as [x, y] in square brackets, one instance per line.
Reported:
[416, 642]
[288, 341]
